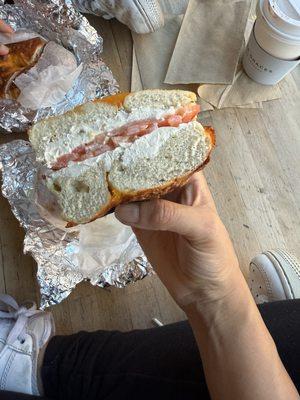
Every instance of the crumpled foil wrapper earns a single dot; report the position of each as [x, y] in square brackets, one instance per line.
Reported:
[53, 249]
[57, 20]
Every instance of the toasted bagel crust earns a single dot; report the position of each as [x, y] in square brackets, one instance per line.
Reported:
[21, 56]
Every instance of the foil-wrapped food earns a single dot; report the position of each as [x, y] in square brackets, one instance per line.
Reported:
[104, 252]
[39, 23]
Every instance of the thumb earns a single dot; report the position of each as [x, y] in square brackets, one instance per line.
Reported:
[160, 215]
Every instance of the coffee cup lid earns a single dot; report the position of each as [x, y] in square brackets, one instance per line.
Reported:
[284, 15]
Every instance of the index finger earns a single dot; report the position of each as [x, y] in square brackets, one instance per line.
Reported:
[197, 192]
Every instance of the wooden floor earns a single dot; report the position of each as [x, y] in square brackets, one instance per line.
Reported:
[255, 179]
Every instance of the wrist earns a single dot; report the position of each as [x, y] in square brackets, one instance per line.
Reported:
[230, 300]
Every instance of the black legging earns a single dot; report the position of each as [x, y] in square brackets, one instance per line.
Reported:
[159, 363]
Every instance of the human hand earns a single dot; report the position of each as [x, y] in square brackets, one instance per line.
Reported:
[186, 243]
[189, 247]
[4, 28]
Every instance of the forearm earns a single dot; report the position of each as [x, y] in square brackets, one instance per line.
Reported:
[238, 353]
[192, 253]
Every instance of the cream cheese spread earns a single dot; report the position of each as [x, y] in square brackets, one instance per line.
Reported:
[85, 132]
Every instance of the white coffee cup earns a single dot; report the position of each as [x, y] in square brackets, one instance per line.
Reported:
[274, 45]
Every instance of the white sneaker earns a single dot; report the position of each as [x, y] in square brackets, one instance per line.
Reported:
[141, 16]
[23, 333]
[274, 275]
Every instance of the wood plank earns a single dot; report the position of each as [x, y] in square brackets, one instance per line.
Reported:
[257, 224]
[283, 126]
[111, 54]
[123, 40]
[17, 270]
[275, 185]
[254, 179]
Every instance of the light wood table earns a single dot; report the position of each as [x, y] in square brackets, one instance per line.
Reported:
[254, 176]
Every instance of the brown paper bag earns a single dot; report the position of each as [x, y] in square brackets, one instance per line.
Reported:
[243, 92]
[173, 7]
[209, 43]
[136, 81]
[154, 51]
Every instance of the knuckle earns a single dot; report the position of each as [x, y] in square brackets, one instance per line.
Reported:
[213, 225]
[165, 214]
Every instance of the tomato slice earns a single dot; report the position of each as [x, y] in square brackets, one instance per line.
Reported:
[190, 112]
[174, 120]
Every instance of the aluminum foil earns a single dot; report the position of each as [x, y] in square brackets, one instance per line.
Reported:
[53, 249]
[57, 20]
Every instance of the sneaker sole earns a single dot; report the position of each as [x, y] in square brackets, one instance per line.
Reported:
[288, 270]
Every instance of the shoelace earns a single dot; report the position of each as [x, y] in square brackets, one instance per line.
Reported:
[20, 314]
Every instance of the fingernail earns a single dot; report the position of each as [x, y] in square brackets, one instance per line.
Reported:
[128, 213]
[3, 49]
